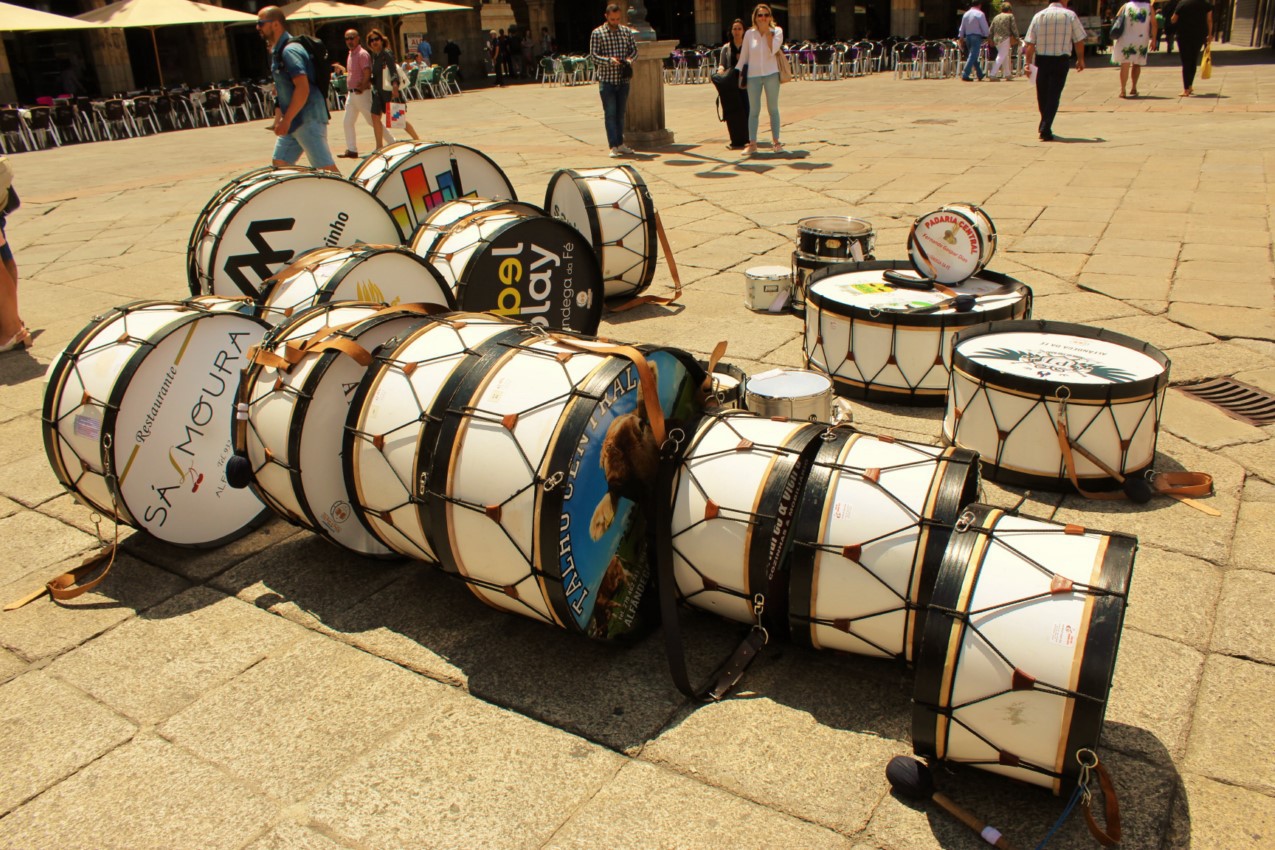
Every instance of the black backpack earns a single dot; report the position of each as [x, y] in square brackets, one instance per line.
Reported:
[319, 58]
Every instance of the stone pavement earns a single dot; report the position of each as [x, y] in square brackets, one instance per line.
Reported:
[277, 693]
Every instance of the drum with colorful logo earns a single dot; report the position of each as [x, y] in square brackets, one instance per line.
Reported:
[789, 393]
[873, 522]
[1019, 647]
[985, 226]
[266, 221]
[385, 274]
[1016, 386]
[137, 419]
[413, 178]
[883, 339]
[947, 245]
[613, 209]
[545, 457]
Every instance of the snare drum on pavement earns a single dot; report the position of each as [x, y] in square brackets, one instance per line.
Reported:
[836, 237]
[789, 393]
[767, 288]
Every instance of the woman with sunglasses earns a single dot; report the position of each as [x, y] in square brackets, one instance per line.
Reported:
[759, 60]
[386, 82]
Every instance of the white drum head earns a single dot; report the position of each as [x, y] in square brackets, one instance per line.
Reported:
[946, 246]
[869, 290]
[1060, 357]
[769, 273]
[788, 383]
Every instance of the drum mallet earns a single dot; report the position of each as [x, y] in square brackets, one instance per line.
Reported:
[912, 779]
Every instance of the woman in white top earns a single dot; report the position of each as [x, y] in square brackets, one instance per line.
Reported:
[759, 59]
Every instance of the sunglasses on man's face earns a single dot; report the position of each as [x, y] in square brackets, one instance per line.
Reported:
[763, 14]
[351, 38]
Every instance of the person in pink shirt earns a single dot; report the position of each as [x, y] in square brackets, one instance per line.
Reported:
[358, 99]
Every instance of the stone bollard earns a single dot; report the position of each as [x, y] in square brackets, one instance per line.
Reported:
[644, 118]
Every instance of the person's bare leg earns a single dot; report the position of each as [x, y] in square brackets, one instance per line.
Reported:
[10, 320]
[1124, 77]
[1137, 72]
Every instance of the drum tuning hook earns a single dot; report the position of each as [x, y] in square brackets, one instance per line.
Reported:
[552, 481]
[963, 523]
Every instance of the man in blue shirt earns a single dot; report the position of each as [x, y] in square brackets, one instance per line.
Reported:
[972, 32]
[301, 110]
[426, 52]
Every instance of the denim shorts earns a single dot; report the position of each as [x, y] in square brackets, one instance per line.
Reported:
[6, 253]
[311, 137]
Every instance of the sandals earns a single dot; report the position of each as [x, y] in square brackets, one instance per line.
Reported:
[22, 339]
[1133, 93]
[776, 147]
[751, 149]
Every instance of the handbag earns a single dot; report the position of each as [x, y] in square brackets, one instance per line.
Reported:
[785, 68]
[1206, 63]
[1117, 26]
[626, 71]
[743, 77]
[395, 116]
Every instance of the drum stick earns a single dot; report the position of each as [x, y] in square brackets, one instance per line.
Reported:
[912, 779]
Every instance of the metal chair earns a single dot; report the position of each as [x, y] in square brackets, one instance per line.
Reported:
[237, 101]
[13, 132]
[115, 119]
[144, 115]
[212, 104]
[66, 123]
[40, 120]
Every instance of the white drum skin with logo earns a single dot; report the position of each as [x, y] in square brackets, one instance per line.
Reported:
[292, 418]
[874, 519]
[137, 415]
[388, 442]
[384, 274]
[789, 393]
[613, 209]
[266, 222]
[413, 178]
[946, 245]
[738, 475]
[1011, 381]
[1020, 646]
[986, 228]
[767, 286]
[884, 342]
[441, 218]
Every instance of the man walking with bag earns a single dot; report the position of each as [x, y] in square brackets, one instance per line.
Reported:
[1051, 36]
[358, 98]
[613, 50]
[301, 110]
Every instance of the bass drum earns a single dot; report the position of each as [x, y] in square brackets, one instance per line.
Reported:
[870, 531]
[526, 267]
[441, 218]
[413, 178]
[265, 222]
[947, 245]
[392, 426]
[1020, 646]
[383, 274]
[545, 456]
[293, 403]
[613, 209]
[137, 419]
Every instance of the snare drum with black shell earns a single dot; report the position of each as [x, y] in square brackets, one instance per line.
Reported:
[1016, 385]
[836, 237]
[137, 419]
[413, 178]
[1019, 646]
[883, 341]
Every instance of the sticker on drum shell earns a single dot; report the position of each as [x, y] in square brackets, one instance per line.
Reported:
[1061, 357]
[945, 246]
[599, 547]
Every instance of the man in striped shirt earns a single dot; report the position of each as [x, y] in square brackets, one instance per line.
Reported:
[1051, 36]
[613, 50]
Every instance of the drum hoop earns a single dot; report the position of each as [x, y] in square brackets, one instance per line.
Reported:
[1128, 391]
[807, 526]
[804, 229]
[451, 146]
[328, 291]
[897, 318]
[991, 224]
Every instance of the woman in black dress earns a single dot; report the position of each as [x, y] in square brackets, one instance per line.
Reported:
[386, 82]
[1194, 22]
[734, 99]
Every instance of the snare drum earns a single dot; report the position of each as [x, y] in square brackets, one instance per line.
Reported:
[884, 342]
[1020, 646]
[393, 423]
[137, 419]
[412, 178]
[870, 530]
[292, 414]
[985, 226]
[836, 237]
[767, 288]
[544, 458]
[440, 219]
[791, 394]
[527, 267]
[733, 497]
[803, 266]
[1012, 382]
[946, 245]
[383, 274]
[266, 221]
[614, 211]
[726, 392]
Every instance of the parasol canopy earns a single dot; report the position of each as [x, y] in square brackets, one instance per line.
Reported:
[21, 18]
[313, 10]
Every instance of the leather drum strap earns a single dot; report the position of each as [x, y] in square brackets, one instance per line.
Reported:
[1110, 836]
[67, 585]
[646, 378]
[672, 270]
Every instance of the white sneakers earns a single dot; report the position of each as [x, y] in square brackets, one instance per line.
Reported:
[622, 150]
[615, 152]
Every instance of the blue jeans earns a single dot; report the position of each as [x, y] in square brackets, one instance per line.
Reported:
[770, 83]
[615, 98]
[974, 44]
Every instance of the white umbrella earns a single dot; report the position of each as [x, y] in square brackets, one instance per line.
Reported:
[22, 18]
[312, 10]
[398, 8]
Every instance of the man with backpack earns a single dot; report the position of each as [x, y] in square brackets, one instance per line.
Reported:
[300, 84]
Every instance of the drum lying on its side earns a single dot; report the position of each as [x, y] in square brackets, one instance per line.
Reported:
[947, 245]
[983, 224]
[413, 178]
[441, 218]
[882, 341]
[613, 209]
[265, 222]
[1020, 646]
[544, 458]
[873, 522]
[1013, 381]
[137, 419]
[293, 403]
[383, 274]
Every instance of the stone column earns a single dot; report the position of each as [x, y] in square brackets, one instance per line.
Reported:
[905, 18]
[539, 16]
[8, 91]
[644, 118]
[110, 59]
[709, 26]
[801, 20]
[213, 51]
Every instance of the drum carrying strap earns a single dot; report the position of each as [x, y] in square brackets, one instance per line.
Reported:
[293, 352]
[67, 585]
[1179, 485]
[648, 387]
[672, 270]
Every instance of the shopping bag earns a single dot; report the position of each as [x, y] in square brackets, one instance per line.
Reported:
[395, 116]
[1206, 64]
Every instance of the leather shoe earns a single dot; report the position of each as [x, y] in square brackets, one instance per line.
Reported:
[348, 155]
[1046, 137]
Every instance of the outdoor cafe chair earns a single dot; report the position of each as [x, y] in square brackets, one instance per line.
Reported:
[66, 124]
[212, 105]
[144, 115]
[237, 102]
[115, 118]
[13, 131]
[40, 121]
[450, 80]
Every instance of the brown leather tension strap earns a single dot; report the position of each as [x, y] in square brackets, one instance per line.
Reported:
[294, 351]
[1179, 485]
[309, 258]
[646, 377]
[67, 586]
[672, 270]
[706, 389]
[1110, 836]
